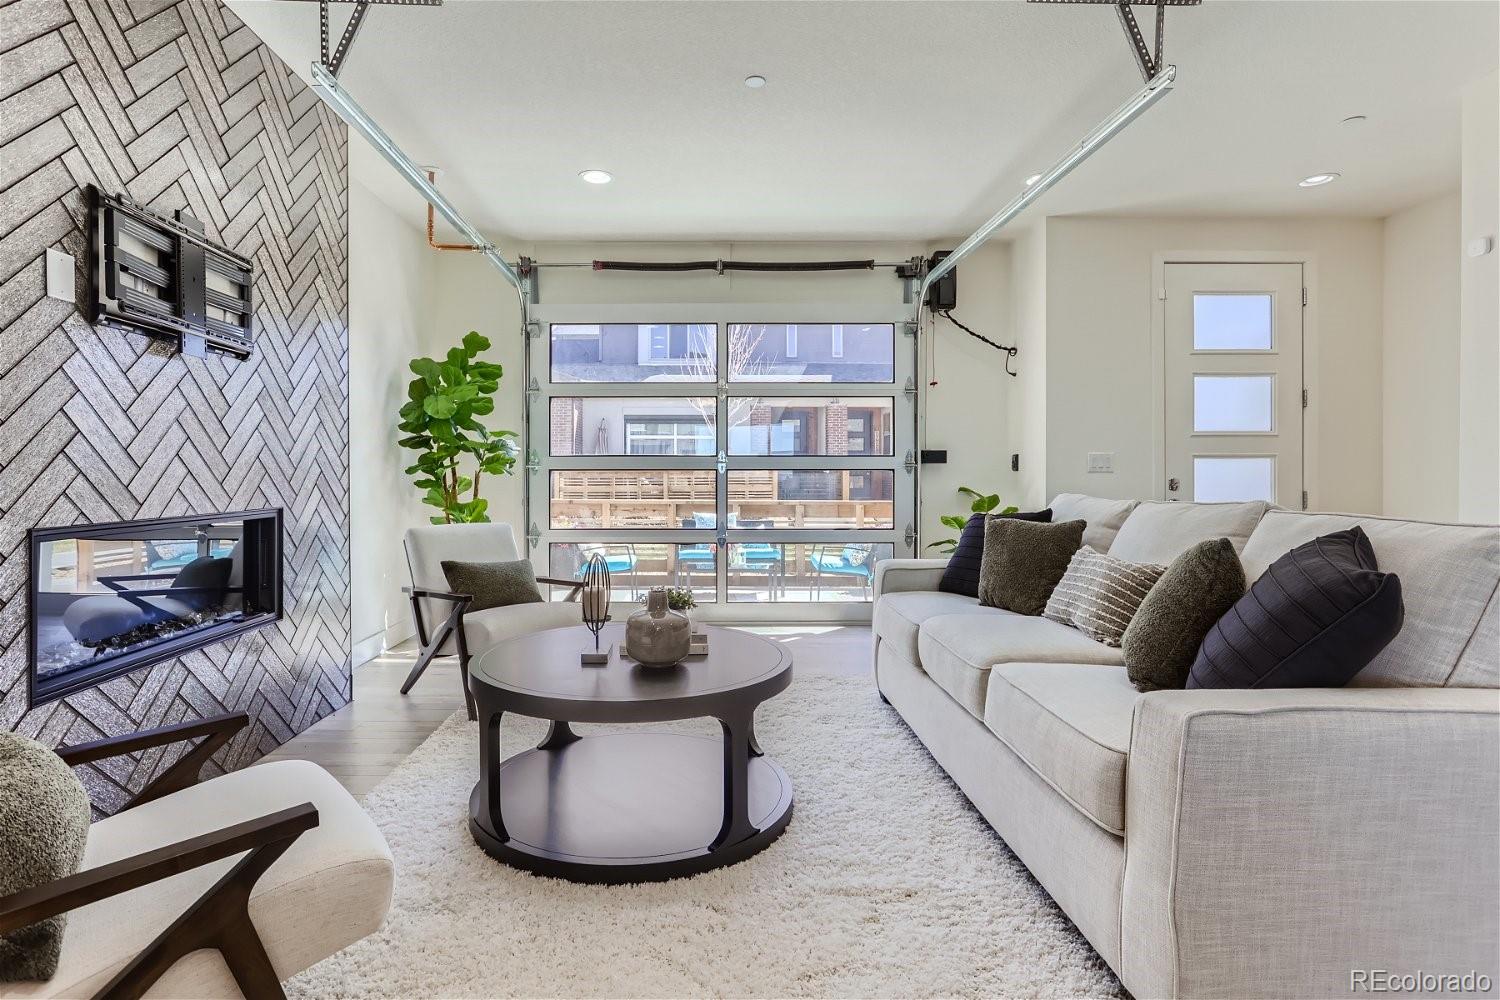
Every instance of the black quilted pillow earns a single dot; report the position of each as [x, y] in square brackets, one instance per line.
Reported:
[1313, 619]
[961, 575]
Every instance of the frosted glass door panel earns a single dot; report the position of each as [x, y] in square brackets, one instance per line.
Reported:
[1233, 404]
[1225, 322]
[1229, 480]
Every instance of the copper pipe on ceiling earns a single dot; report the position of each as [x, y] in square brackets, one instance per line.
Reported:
[431, 236]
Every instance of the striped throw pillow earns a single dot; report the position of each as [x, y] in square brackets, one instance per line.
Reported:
[1099, 594]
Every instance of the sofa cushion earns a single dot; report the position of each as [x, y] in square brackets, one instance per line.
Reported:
[1099, 594]
[1023, 561]
[331, 888]
[899, 615]
[1449, 572]
[1070, 723]
[1159, 531]
[483, 629]
[1313, 619]
[1102, 516]
[957, 651]
[961, 575]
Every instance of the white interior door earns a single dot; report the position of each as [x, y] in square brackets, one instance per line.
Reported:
[1233, 382]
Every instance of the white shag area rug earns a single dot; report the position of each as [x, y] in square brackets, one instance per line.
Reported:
[887, 883]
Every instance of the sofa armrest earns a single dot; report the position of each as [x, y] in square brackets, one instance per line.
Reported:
[893, 575]
[1278, 843]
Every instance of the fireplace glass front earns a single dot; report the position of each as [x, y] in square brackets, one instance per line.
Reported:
[110, 598]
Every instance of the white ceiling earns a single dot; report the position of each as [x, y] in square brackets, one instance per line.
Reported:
[904, 120]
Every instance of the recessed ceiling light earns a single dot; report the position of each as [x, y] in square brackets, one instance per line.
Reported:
[1033, 179]
[1352, 120]
[755, 82]
[1317, 179]
[597, 176]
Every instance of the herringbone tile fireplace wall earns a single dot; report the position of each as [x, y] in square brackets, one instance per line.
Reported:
[177, 103]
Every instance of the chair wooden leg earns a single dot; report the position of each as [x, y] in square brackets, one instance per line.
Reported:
[424, 658]
[463, 672]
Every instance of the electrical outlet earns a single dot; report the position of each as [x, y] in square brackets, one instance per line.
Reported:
[59, 275]
[1101, 461]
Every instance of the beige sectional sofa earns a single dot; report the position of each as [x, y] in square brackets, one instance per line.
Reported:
[1244, 843]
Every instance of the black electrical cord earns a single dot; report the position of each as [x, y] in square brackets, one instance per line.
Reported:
[1010, 352]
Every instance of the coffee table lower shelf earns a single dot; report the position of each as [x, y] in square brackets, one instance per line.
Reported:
[626, 807]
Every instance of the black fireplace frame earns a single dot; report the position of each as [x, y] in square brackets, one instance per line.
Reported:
[168, 648]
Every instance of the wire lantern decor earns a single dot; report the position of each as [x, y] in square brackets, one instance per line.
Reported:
[595, 596]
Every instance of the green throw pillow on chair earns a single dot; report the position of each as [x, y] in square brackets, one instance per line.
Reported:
[44, 822]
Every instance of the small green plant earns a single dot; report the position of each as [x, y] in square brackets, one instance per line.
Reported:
[980, 503]
[439, 421]
[680, 599]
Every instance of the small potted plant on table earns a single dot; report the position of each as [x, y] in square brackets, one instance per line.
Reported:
[681, 599]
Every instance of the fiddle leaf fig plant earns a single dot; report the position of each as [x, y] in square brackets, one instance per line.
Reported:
[980, 503]
[454, 449]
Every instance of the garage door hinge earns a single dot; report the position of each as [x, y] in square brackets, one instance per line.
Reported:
[533, 535]
[910, 329]
[722, 464]
[533, 330]
[910, 536]
[910, 389]
[911, 462]
[1304, 399]
[532, 388]
[1304, 499]
[533, 461]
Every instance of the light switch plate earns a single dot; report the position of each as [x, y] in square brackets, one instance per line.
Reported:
[59, 275]
[1101, 461]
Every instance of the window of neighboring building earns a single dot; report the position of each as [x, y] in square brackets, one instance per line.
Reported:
[837, 349]
[671, 435]
[674, 344]
[791, 341]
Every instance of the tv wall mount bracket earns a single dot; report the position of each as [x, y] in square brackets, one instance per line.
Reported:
[1149, 60]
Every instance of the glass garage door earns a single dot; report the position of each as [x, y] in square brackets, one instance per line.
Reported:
[761, 456]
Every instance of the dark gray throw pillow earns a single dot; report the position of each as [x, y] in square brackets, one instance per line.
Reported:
[1314, 618]
[961, 575]
[44, 823]
[1169, 626]
[493, 584]
[1023, 560]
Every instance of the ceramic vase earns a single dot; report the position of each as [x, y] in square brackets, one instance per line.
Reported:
[657, 636]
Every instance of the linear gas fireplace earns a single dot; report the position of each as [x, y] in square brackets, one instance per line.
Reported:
[107, 599]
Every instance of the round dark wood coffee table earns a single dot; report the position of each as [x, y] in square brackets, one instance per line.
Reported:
[637, 806]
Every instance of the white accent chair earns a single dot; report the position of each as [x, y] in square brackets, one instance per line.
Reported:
[219, 888]
[445, 626]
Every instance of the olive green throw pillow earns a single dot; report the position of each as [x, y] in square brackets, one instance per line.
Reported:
[44, 822]
[1196, 590]
[1023, 561]
[493, 584]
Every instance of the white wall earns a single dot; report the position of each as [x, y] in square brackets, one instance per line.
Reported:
[390, 272]
[1421, 361]
[1479, 285]
[1027, 399]
[1098, 368]
[967, 411]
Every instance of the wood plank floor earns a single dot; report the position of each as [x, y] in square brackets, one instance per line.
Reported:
[363, 742]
